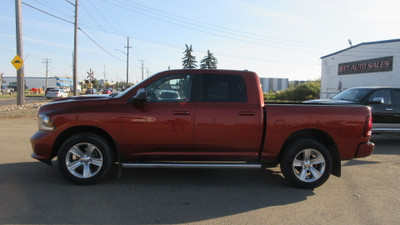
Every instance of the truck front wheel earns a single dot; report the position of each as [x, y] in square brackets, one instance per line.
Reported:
[85, 158]
[306, 164]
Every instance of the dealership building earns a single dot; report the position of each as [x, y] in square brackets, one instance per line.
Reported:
[366, 64]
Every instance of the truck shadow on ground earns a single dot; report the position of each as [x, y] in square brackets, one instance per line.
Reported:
[36, 193]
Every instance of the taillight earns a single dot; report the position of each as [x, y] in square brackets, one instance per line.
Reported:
[368, 127]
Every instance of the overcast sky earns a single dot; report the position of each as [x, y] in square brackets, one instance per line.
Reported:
[274, 38]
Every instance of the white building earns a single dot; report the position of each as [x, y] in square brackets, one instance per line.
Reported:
[366, 64]
[274, 84]
[40, 82]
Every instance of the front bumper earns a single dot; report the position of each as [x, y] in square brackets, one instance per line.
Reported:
[42, 145]
[45, 160]
[364, 150]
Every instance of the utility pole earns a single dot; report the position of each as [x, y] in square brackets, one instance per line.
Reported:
[141, 60]
[20, 72]
[127, 60]
[75, 70]
[148, 72]
[47, 62]
[104, 73]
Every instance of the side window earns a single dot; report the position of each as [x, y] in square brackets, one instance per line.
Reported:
[396, 97]
[173, 88]
[223, 88]
[385, 94]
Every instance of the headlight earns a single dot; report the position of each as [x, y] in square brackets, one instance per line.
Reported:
[45, 123]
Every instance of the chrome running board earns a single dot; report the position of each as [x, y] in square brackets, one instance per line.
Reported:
[192, 165]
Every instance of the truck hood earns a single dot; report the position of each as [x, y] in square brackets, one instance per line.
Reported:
[330, 102]
[84, 97]
[74, 104]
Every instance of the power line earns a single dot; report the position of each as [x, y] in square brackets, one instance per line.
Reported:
[50, 5]
[57, 17]
[211, 29]
[70, 3]
[90, 38]
[128, 6]
[98, 45]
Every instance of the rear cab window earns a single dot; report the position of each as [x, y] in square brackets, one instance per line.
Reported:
[222, 88]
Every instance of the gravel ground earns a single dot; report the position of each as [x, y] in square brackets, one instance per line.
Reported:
[24, 111]
[8, 108]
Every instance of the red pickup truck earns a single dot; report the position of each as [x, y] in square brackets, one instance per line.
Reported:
[199, 118]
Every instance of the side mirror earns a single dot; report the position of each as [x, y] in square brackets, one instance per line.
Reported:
[377, 100]
[140, 96]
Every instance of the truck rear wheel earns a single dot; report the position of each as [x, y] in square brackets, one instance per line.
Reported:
[306, 164]
[85, 158]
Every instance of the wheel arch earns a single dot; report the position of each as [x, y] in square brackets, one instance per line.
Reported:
[320, 136]
[84, 129]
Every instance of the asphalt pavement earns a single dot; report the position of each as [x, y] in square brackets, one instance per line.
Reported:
[32, 192]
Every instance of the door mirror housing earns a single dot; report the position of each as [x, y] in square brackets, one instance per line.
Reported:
[377, 100]
[140, 96]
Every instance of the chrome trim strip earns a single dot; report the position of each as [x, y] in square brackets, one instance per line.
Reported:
[385, 130]
[191, 165]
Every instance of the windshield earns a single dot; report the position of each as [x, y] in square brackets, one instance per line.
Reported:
[355, 95]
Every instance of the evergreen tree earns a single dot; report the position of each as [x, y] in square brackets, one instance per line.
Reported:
[188, 60]
[209, 61]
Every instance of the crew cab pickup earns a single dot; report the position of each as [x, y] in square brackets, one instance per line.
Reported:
[199, 118]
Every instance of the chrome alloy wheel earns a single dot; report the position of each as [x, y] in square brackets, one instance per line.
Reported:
[84, 160]
[309, 165]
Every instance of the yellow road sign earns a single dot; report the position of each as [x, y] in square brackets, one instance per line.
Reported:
[17, 62]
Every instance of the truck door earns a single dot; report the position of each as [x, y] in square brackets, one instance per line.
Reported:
[161, 126]
[227, 125]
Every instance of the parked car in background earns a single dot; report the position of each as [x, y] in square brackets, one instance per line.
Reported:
[107, 91]
[56, 93]
[47, 90]
[6, 91]
[384, 103]
[91, 91]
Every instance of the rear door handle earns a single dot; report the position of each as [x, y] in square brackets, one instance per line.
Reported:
[181, 113]
[247, 113]
[389, 109]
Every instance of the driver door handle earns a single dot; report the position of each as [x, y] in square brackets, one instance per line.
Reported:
[247, 113]
[181, 113]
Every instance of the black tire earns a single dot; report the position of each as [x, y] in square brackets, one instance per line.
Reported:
[306, 164]
[85, 158]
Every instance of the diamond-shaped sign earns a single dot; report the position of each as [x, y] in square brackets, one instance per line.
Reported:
[17, 62]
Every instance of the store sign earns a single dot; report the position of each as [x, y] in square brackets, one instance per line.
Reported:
[366, 66]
